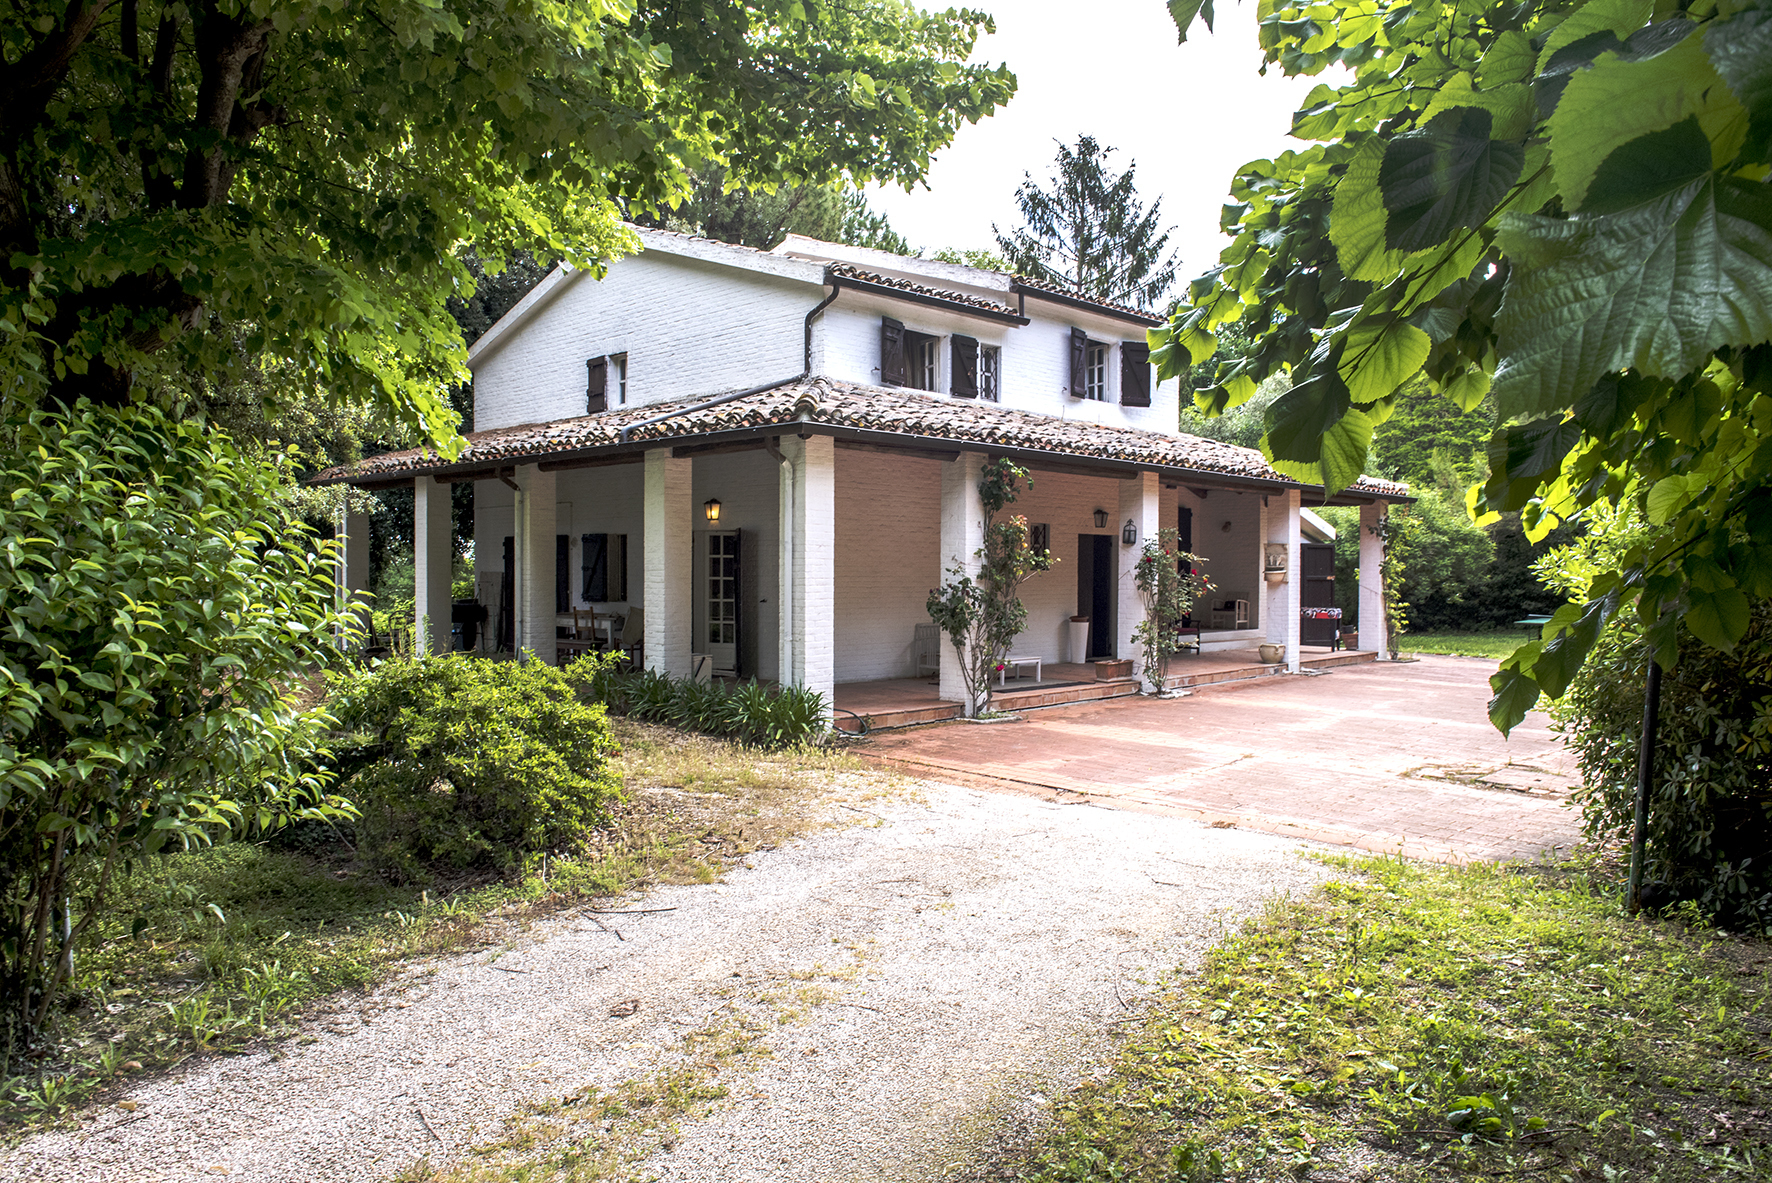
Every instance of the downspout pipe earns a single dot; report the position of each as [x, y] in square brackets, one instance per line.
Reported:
[805, 372]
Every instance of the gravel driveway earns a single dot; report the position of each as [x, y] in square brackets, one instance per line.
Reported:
[973, 949]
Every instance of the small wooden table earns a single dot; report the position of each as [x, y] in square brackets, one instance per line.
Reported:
[1017, 663]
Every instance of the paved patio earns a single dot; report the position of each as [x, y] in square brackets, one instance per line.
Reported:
[1379, 756]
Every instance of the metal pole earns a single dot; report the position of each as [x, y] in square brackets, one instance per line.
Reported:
[1645, 775]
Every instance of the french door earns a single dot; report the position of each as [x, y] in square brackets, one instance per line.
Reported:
[719, 613]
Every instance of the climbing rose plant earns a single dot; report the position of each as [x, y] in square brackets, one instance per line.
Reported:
[1169, 584]
[983, 614]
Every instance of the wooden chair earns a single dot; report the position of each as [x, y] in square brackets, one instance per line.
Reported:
[632, 642]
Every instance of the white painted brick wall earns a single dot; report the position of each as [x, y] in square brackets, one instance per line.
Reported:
[1283, 600]
[815, 555]
[962, 535]
[1372, 623]
[535, 564]
[668, 529]
[688, 328]
[1140, 504]
[888, 558]
[433, 558]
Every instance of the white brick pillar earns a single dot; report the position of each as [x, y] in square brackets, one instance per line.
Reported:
[1372, 623]
[350, 578]
[808, 648]
[962, 536]
[432, 561]
[669, 546]
[1285, 526]
[1139, 504]
[534, 596]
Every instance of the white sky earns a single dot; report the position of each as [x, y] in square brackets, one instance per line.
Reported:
[1188, 115]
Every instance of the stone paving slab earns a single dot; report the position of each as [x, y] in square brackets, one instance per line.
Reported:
[1384, 756]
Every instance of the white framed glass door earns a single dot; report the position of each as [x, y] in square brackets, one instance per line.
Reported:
[719, 600]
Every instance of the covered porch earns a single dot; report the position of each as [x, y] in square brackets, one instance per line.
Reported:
[797, 541]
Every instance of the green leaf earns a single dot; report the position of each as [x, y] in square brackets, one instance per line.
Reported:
[1298, 420]
[1618, 17]
[1522, 456]
[1357, 220]
[1444, 177]
[1649, 166]
[1563, 654]
[1658, 287]
[1666, 497]
[1468, 389]
[1510, 58]
[1619, 100]
[1515, 693]
[1378, 357]
[1740, 51]
[1718, 618]
[1183, 12]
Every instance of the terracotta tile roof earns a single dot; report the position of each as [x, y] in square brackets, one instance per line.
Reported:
[1039, 285]
[849, 271]
[908, 414]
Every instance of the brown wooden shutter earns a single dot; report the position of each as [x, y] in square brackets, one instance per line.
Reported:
[965, 359]
[596, 385]
[891, 352]
[1079, 363]
[1135, 375]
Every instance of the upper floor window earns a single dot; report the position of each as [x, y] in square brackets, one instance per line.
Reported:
[974, 368]
[603, 376]
[1095, 372]
[1089, 367]
[907, 357]
[920, 360]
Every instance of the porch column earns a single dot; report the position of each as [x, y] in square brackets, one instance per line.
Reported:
[1372, 622]
[962, 536]
[808, 567]
[1139, 503]
[1284, 525]
[432, 559]
[534, 561]
[350, 577]
[670, 541]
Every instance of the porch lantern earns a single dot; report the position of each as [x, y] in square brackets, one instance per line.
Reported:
[1129, 533]
[712, 506]
[1101, 519]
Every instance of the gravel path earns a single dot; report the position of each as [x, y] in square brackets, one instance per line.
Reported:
[972, 949]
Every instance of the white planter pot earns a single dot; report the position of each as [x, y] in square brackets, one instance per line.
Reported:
[1079, 641]
[1273, 654]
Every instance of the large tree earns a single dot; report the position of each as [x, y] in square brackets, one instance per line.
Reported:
[1561, 204]
[193, 188]
[1089, 232]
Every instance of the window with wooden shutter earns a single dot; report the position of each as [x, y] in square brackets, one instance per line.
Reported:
[965, 359]
[1135, 375]
[562, 573]
[1079, 363]
[990, 361]
[595, 568]
[596, 385]
[891, 352]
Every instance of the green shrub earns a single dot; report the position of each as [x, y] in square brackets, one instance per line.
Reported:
[1710, 815]
[749, 712]
[464, 762]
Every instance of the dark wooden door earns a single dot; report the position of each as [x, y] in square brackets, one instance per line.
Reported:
[1316, 562]
[1095, 591]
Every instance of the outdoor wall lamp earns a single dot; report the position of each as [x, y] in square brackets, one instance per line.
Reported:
[712, 506]
[1101, 519]
[1129, 534]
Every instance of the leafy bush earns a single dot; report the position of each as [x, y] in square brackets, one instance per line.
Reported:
[161, 599]
[1710, 815]
[749, 712]
[463, 762]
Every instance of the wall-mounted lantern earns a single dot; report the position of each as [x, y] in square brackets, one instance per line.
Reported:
[712, 508]
[1101, 519]
[1129, 533]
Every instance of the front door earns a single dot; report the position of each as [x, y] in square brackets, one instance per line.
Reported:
[1095, 591]
[719, 600]
[1316, 590]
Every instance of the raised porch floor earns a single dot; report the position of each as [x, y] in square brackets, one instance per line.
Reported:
[906, 702]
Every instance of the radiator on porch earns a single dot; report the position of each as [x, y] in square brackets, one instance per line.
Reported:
[928, 649]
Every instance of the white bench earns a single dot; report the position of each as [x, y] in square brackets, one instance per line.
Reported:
[1016, 663]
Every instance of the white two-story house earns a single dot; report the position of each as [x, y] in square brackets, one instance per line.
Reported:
[775, 455]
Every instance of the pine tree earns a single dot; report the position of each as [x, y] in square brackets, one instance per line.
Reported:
[1090, 233]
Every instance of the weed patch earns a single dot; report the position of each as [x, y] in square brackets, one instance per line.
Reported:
[1428, 1023]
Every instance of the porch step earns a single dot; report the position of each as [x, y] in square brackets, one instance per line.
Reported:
[883, 719]
[1317, 661]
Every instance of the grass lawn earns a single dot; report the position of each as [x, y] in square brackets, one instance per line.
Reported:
[1496, 645]
[1417, 1022]
[226, 945]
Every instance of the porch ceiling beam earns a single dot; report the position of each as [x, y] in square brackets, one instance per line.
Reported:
[396, 482]
[603, 461]
[688, 450]
[941, 454]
